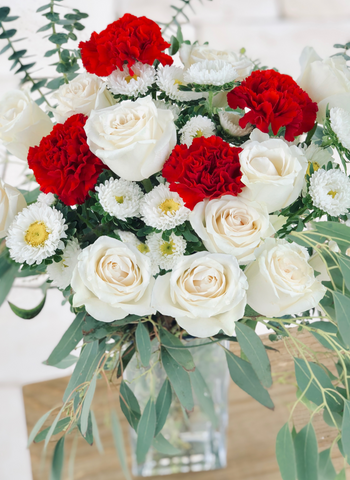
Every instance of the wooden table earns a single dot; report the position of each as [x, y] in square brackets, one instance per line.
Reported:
[252, 428]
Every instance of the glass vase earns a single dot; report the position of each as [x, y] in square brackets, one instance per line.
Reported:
[199, 445]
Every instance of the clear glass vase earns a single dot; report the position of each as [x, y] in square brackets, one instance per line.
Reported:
[200, 446]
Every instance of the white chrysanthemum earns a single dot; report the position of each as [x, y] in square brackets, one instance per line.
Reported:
[230, 122]
[340, 123]
[166, 253]
[36, 233]
[47, 198]
[211, 72]
[197, 126]
[163, 209]
[120, 198]
[317, 157]
[128, 237]
[168, 80]
[175, 109]
[330, 191]
[61, 272]
[120, 82]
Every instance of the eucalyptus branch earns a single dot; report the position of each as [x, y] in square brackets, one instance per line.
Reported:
[179, 11]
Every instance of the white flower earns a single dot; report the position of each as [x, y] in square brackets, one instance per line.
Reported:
[197, 126]
[112, 280]
[120, 82]
[61, 272]
[272, 171]
[133, 138]
[22, 123]
[340, 123]
[317, 157]
[211, 72]
[229, 122]
[166, 253]
[330, 191]
[36, 234]
[128, 237]
[163, 209]
[232, 225]
[84, 93]
[205, 293]
[168, 80]
[47, 198]
[326, 81]
[175, 109]
[120, 198]
[281, 282]
[11, 203]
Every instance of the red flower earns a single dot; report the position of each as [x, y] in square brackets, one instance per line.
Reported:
[208, 168]
[63, 163]
[128, 40]
[274, 99]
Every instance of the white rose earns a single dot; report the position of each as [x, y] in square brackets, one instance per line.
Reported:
[232, 225]
[112, 280]
[326, 81]
[272, 171]
[11, 203]
[133, 138]
[22, 123]
[191, 54]
[205, 293]
[281, 281]
[83, 94]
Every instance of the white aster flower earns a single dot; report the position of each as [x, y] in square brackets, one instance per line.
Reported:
[168, 80]
[120, 198]
[128, 237]
[120, 82]
[163, 209]
[36, 233]
[211, 72]
[47, 198]
[317, 157]
[330, 191]
[340, 123]
[197, 126]
[230, 122]
[166, 253]
[61, 272]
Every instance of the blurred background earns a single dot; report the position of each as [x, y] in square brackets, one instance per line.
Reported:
[275, 31]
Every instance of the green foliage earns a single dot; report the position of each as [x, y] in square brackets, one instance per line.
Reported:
[28, 314]
[285, 454]
[203, 395]
[325, 465]
[179, 379]
[163, 403]
[306, 451]
[129, 405]
[119, 444]
[145, 431]
[143, 344]
[181, 355]
[57, 461]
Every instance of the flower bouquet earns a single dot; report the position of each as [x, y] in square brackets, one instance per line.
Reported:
[185, 196]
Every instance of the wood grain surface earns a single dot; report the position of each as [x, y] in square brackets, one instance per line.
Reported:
[252, 428]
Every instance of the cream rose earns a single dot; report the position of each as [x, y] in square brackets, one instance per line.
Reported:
[281, 281]
[11, 203]
[272, 171]
[205, 293]
[22, 123]
[112, 279]
[133, 138]
[232, 225]
[83, 94]
[326, 81]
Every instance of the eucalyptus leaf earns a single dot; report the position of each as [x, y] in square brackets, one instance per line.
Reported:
[346, 429]
[88, 435]
[66, 362]
[119, 444]
[182, 356]
[57, 460]
[87, 404]
[179, 379]
[51, 430]
[96, 433]
[325, 466]
[38, 426]
[341, 475]
[60, 426]
[285, 454]
[143, 344]
[344, 263]
[68, 342]
[163, 446]
[306, 452]
[145, 431]
[6, 282]
[203, 396]
[28, 314]
[4, 11]
[342, 308]
[163, 403]
[129, 405]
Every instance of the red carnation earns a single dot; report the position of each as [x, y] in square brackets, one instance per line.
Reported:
[208, 168]
[274, 99]
[63, 163]
[128, 40]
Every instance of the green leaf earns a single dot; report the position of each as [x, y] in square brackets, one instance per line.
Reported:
[254, 349]
[129, 405]
[8, 34]
[285, 454]
[306, 452]
[342, 307]
[163, 403]
[4, 11]
[28, 314]
[88, 436]
[59, 427]
[86, 405]
[38, 85]
[119, 444]
[203, 396]
[344, 263]
[341, 475]
[145, 431]
[336, 231]
[17, 54]
[58, 38]
[55, 83]
[243, 375]
[44, 7]
[325, 466]
[44, 28]
[6, 282]
[24, 68]
[38, 426]
[143, 344]
[68, 342]
[96, 433]
[346, 429]
[51, 430]
[329, 421]
[57, 461]
[126, 357]
[49, 53]
[327, 327]
[66, 362]
[163, 446]
[182, 356]
[5, 48]
[31, 196]
[10, 19]
[179, 35]
[179, 379]
[174, 45]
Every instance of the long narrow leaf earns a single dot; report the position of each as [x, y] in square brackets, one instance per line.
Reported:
[68, 342]
[119, 444]
[285, 454]
[38, 426]
[96, 433]
[306, 452]
[145, 431]
[87, 404]
[57, 461]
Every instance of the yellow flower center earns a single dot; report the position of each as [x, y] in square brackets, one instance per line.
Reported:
[169, 205]
[143, 248]
[315, 167]
[119, 199]
[167, 248]
[178, 82]
[128, 78]
[198, 134]
[37, 234]
[332, 193]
